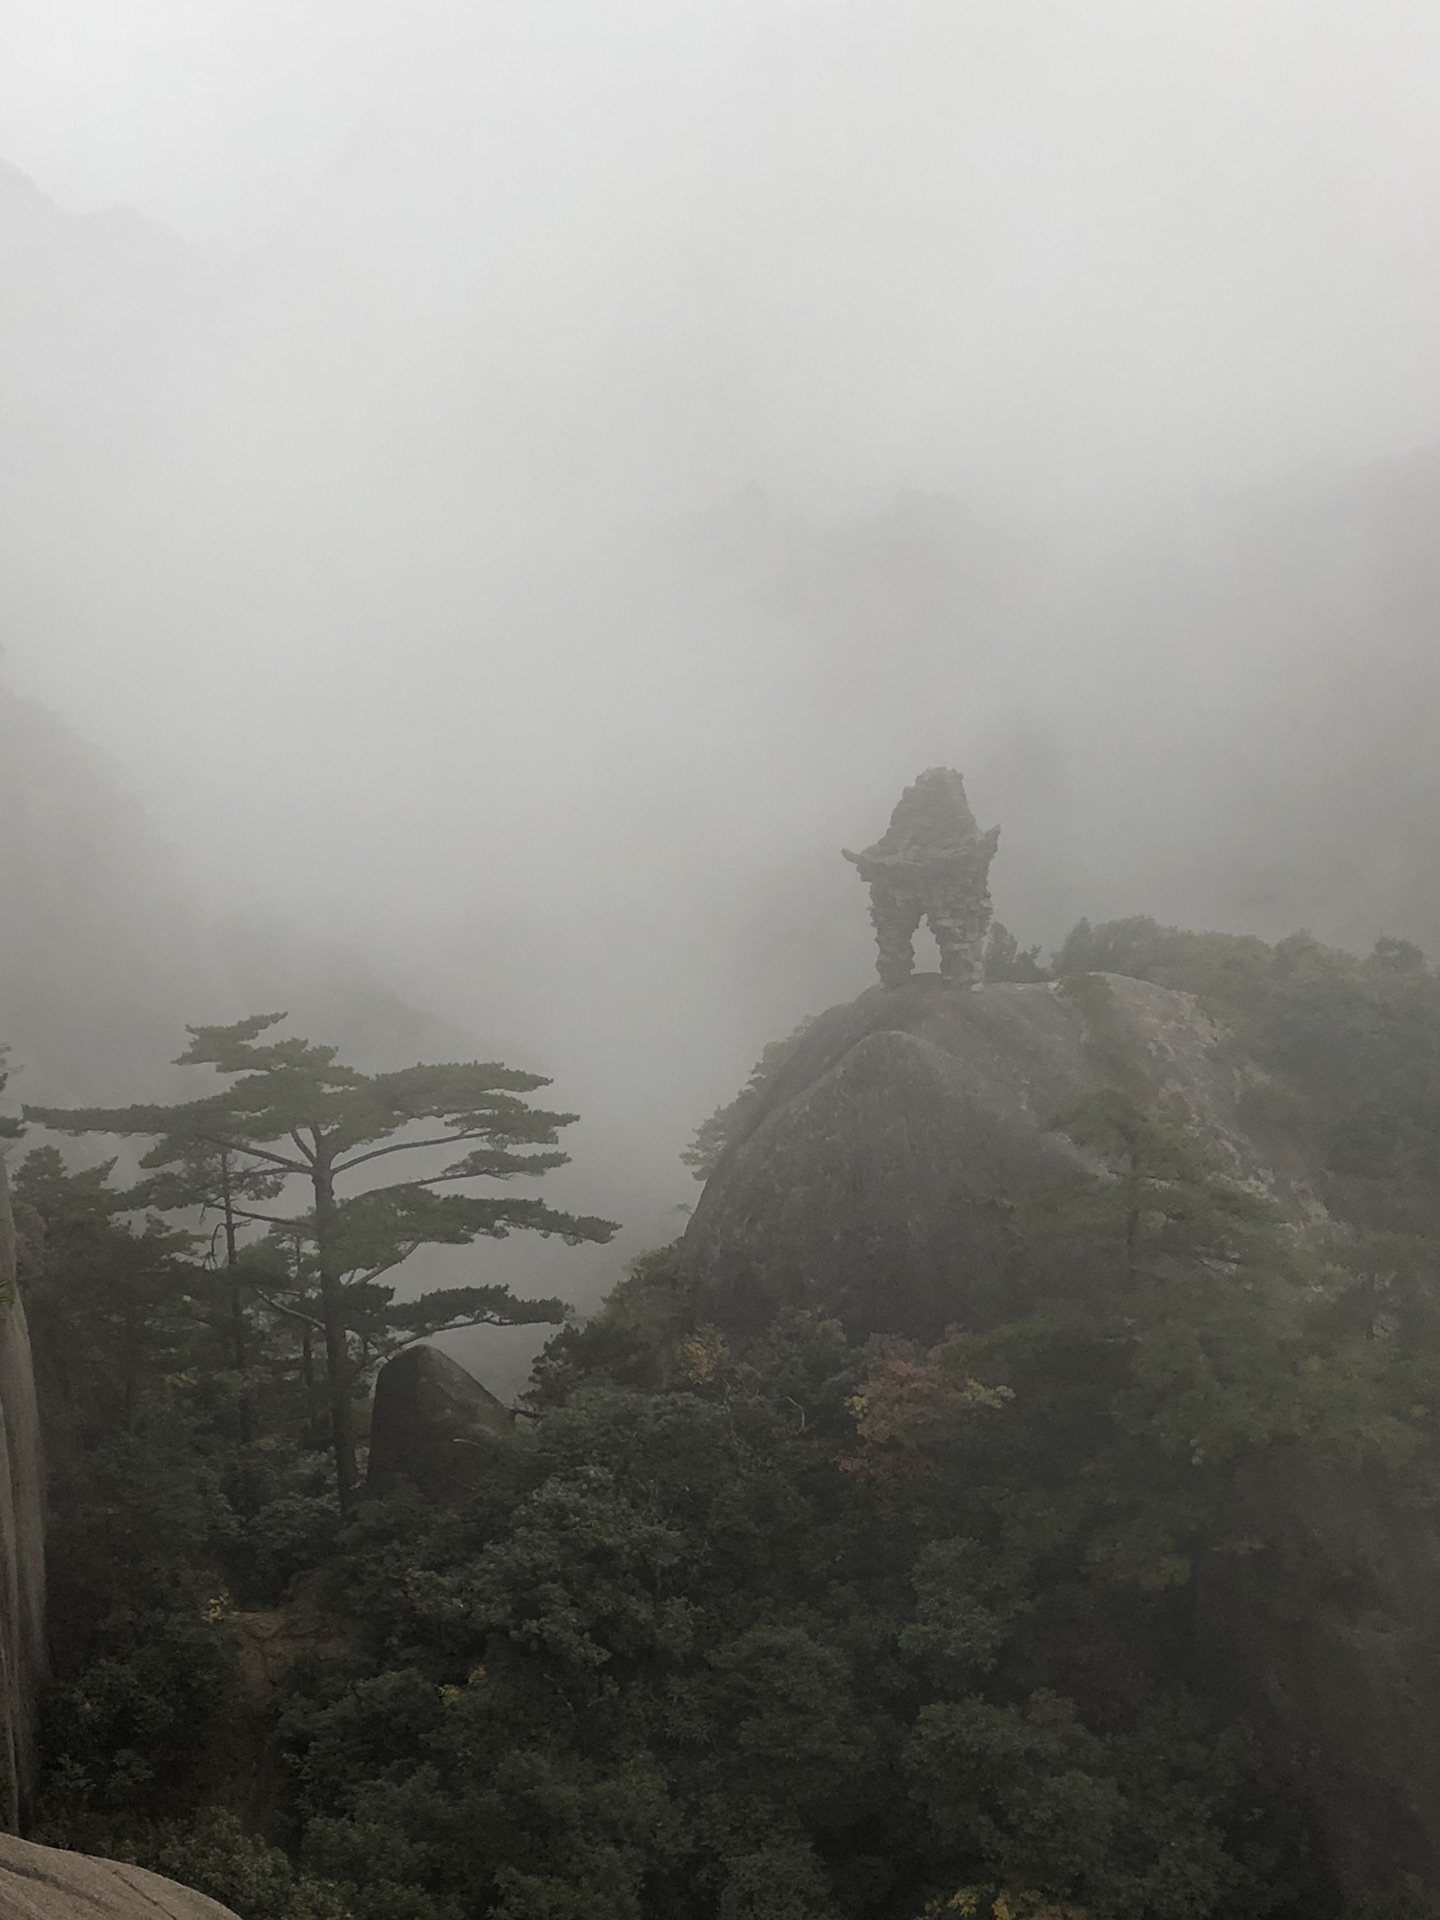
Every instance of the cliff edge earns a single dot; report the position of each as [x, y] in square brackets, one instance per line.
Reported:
[22, 1535]
[44, 1883]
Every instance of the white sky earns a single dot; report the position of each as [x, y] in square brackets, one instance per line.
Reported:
[357, 530]
[1173, 242]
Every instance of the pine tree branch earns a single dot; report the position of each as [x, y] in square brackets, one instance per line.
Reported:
[404, 1146]
[243, 1146]
[533, 1163]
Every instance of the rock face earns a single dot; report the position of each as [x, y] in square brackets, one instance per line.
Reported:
[430, 1422]
[42, 1883]
[864, 1183]
[22, 1535]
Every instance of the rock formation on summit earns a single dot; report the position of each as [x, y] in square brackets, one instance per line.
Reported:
[932, 863]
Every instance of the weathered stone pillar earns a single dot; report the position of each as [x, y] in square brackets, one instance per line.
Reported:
[933, 863]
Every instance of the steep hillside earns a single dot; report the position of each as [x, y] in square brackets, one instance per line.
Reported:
[906, 1164]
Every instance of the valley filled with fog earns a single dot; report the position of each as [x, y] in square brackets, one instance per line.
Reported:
[489, 505]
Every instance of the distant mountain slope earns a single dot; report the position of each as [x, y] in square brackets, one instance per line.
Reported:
[103, 960]
[96, 948]
[1248, 710]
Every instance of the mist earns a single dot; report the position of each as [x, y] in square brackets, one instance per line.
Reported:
[511, 491]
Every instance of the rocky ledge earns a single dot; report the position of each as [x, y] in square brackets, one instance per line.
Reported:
[42, 1883]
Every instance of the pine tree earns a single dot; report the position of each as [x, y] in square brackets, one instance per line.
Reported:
[293, 1111]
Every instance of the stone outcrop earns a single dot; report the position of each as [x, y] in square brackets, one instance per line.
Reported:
[932, 863]
[22, 1535]
[864, 1180]
[43, 1883]
[430, 1424]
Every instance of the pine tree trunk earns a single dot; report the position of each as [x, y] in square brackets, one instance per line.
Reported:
[237, 1334]
[337, 1357]
[237, 1304]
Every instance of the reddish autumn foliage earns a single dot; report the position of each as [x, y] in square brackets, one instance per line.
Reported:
[911, 1404]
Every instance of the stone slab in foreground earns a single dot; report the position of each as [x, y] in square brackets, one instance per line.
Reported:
[44, 1883]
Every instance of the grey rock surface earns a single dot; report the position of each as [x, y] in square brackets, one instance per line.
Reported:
[430, 1423]
[864, 1181]
[44, 1883]
[22, 1535]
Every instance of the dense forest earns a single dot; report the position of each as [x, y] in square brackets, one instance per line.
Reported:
[800, 1626]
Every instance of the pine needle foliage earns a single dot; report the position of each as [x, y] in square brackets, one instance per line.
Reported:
[292, 1111]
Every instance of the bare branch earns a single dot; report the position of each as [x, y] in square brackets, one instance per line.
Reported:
[280, 1307]
[239, 1146]
[359, 1279]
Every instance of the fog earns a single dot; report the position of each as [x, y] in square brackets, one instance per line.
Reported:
[513, 489]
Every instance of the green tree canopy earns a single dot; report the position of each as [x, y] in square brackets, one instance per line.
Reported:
[293, 1111]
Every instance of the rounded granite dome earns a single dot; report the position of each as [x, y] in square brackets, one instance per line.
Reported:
[867, 1180]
